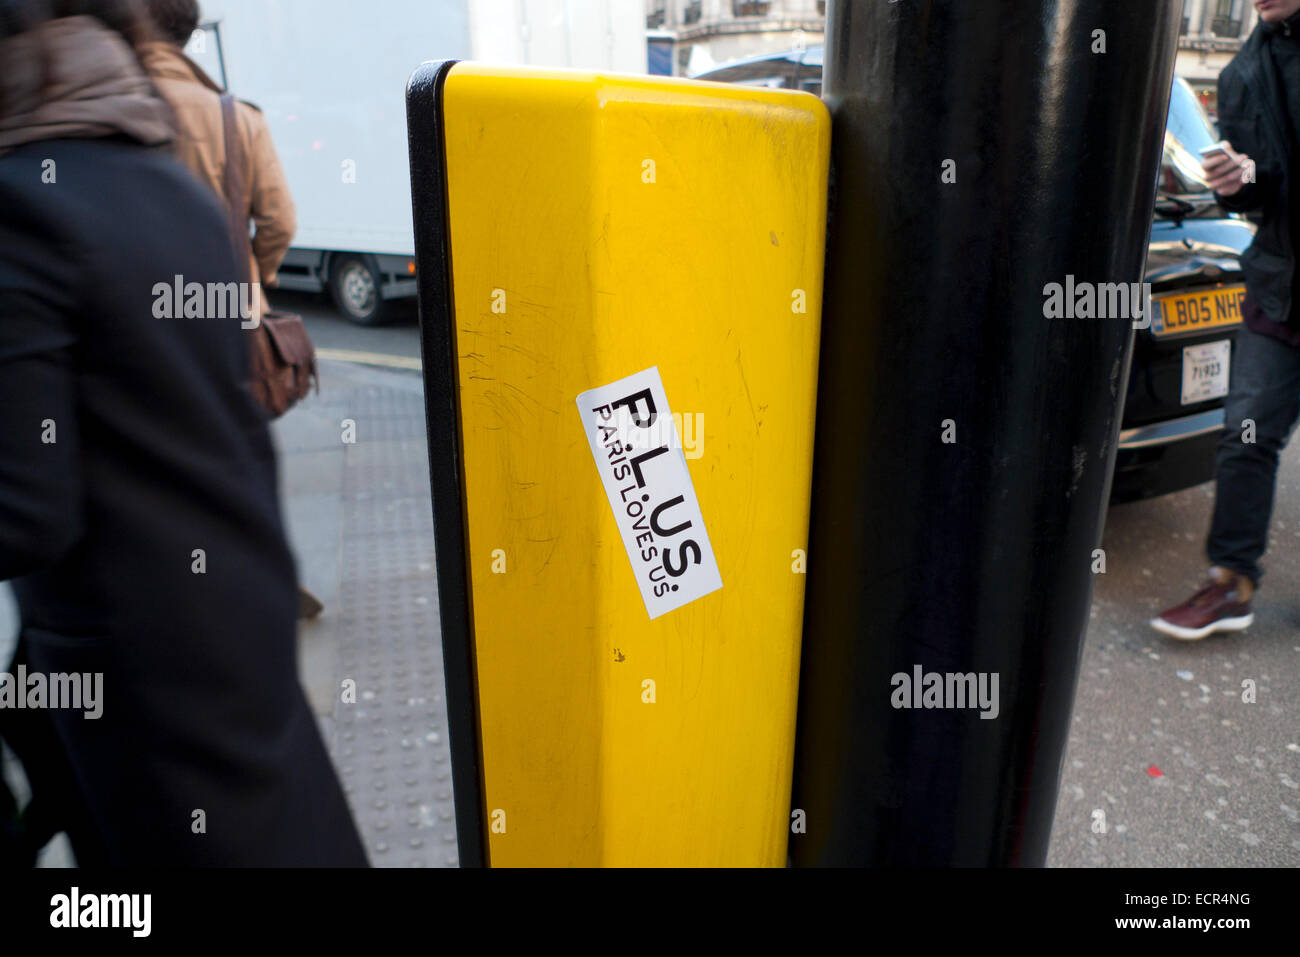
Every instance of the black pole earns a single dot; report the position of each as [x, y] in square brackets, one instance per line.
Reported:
[965, 438]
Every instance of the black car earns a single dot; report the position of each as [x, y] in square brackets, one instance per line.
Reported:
[1173, 413]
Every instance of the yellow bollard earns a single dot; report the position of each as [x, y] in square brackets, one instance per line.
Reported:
[635, 271]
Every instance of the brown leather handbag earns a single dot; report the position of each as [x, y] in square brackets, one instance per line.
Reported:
[282, 366]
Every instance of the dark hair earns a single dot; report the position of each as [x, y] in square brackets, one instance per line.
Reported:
[176, 20]
[124, 16]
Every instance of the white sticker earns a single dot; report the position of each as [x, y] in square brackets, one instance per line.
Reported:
[640, 459]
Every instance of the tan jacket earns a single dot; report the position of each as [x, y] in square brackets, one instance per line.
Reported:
[196, 101]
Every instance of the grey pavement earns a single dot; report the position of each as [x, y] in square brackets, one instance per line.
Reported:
[1181, 769]
[355, 481]
[1185, 772]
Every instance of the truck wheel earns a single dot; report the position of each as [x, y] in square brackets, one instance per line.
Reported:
[355, 285]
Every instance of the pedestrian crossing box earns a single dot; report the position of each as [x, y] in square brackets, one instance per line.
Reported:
[620, 284]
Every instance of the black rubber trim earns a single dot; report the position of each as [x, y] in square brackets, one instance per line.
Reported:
[424, 122]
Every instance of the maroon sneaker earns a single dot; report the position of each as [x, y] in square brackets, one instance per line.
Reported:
[1221, 604]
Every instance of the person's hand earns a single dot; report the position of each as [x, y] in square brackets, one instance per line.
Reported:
[1228, 174]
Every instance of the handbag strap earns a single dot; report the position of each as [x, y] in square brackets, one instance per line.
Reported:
[235, 186]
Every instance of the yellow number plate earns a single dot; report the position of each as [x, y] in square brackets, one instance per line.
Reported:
[1208, 308]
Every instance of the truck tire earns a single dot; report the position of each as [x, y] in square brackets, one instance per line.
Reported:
[355, 284]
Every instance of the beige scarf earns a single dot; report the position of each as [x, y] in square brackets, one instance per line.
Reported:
[74, 78]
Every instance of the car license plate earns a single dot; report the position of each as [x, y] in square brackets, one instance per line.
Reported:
[1205, 371]
[1209, 308]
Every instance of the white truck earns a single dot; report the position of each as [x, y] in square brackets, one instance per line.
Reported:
[330, 76]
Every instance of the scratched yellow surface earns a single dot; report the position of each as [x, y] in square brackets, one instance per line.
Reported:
[601, 225]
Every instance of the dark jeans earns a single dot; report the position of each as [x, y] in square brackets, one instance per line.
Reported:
[1264, 386]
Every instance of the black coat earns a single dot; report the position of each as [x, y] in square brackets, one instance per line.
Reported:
[1252, 117]
[159, 451]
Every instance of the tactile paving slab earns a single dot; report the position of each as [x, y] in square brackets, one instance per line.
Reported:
[391, 746]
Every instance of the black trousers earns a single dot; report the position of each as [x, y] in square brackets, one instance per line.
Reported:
[1261, 410]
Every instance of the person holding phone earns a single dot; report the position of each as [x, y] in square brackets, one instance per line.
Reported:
[1251, 172]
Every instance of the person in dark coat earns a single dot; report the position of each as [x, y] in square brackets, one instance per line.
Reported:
[139, 518]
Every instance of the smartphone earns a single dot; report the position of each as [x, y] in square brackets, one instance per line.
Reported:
[1218, 149]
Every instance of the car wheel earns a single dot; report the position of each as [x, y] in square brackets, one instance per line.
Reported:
[355, 285]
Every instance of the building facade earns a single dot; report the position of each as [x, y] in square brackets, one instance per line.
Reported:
[1212, 33]
[692, 36]
[709, 33]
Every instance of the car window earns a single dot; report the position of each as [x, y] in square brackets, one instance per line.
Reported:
[1188, 132]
